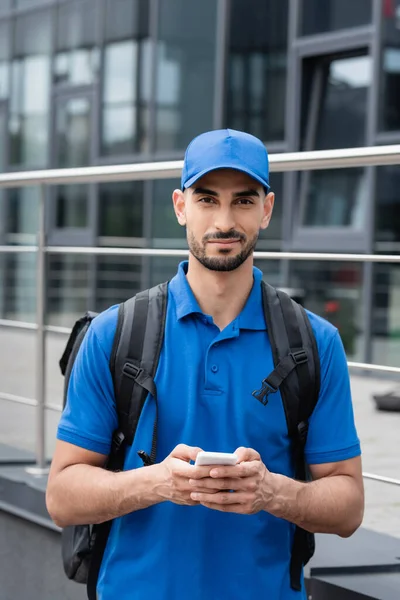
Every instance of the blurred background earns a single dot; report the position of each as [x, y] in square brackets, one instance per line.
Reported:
[94, 82]
[106, 82]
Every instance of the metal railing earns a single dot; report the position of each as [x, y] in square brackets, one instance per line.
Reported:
[302, 161]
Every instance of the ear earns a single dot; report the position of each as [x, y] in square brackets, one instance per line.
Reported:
[178, 198]
[267, 210]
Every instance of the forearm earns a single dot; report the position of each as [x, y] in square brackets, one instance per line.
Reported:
[328, 505]
[82, 494]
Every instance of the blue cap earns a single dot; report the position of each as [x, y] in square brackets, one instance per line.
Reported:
[225, 149]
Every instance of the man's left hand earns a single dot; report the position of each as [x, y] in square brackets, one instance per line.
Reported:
[243, 488]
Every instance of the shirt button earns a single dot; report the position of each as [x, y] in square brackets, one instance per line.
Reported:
[214, 368]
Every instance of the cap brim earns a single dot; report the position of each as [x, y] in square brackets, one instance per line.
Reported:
[198, 176]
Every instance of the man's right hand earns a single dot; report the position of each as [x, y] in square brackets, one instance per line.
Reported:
[174, 473]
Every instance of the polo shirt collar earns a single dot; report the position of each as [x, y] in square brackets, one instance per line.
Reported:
[251, 317]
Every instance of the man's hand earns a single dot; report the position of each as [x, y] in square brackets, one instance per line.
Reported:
[248, 481]
[174, 473]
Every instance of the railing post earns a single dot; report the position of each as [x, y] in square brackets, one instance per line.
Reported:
[40, 467]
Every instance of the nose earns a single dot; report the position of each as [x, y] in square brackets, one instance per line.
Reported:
[224, 219]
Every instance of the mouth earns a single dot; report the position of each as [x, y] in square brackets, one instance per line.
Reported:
[224, 242]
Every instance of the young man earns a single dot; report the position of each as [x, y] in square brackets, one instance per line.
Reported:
[178, 533]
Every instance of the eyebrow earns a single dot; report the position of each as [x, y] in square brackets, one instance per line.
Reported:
[243, 194]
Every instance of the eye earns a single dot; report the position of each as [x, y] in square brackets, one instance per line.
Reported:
[245, 201]
[207, 200]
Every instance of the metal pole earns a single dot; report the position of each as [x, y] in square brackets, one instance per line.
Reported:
[40, 467]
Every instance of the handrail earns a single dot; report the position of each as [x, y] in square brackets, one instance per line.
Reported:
[290, 161]
[295, 161]
[113, 251]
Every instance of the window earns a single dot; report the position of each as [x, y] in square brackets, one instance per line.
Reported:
[333, 291]
[30, 86]
[4, 59]
[387, 215]
[333, 15]
[121, 210]
[270, 238]
[256, 86]
[334, 116]
[185, 71]
[166, 231]
[76, 61]
[389, 113]
[127, 78]
[118, 278]
[68, 288]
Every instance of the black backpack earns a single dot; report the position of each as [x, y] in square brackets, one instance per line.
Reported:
[133, 364]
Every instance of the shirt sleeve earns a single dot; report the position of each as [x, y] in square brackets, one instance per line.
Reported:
[332, 434]
[89, 418]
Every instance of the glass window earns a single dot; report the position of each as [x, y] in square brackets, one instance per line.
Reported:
[271, 237]
[5, 6]
[333, 290]
[386, 315]
[256, 86]
[121, 209]
[127, 78]
[73, 137]
[387, 212]
[118, 278]
[185, 71]
[68, 289]
[76, 61]
[23, 206]
[4, 59]
[166, 231]
[30, 87]
[389, 114]
[20, 287]
[332, 15]
[338, 86]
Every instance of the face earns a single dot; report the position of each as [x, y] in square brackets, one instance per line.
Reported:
[223, 213]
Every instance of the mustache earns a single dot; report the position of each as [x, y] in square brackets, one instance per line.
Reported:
[225, 235]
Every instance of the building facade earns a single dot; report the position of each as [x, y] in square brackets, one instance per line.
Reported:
[99, 82]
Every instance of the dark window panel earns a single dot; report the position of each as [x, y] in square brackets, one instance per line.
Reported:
[389, 112]
[117, 280]
[338, 86]
[127, 79]
[23, 204]
[121, 209]
[185, 71]
[387, 212]
[333, 15]
[166, 231]
[256, 86]
[270, 238]
[68, 288]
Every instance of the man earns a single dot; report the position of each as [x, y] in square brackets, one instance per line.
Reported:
[179, 534]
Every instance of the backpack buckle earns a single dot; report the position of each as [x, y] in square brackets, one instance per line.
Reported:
[132, 371]
[264, 392]
[299, 356]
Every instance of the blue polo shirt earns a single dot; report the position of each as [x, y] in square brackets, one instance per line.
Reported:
[205, 380]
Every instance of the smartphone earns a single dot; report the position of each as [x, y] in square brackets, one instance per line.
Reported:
[215, 458]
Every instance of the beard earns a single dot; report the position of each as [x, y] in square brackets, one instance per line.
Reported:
[224, 262]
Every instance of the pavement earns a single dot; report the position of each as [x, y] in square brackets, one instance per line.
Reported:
[379, 432]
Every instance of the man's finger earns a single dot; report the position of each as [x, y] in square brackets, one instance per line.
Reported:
[221, 498]
[245, 469]
[185, 452]
[236, 484]
[247, 454]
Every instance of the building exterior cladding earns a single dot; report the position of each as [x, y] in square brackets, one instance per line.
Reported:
[86, 82]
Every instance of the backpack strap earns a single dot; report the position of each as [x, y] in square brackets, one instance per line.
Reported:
[297, 376]
[133, 363]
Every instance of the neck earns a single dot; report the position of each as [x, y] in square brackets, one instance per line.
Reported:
[221, 294]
